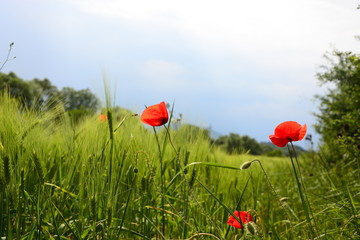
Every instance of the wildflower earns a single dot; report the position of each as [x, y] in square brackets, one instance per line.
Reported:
[245, 217]
[155, 115]
[287, 132]
[102, 117]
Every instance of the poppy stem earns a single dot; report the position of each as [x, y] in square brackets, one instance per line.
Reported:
[300, 187]
[302, 183]
[168, 132]
[158, 144]
[162, 187]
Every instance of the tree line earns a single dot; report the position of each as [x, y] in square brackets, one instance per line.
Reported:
[42, 95]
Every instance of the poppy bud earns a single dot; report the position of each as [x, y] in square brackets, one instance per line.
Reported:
[251, 227]
[245, 165]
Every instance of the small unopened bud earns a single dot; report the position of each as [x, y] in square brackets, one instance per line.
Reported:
[245, 165]
[284, 199]
[251, 227]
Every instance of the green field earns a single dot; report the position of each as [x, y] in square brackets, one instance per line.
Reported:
[115, 180]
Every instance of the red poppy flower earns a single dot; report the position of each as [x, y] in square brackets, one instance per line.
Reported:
[245, 217]
[155, 115]
[102, 117]
[287, 132]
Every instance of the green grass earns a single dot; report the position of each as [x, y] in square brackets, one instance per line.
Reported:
[64, 181]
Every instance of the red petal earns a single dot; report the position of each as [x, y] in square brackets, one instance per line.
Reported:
[245, 217]
[302, 132]
[280, 142]
[289, 129]
[233, 222]
[155, 115]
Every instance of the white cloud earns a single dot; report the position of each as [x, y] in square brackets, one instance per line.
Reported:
[163, 71]
[279, 33]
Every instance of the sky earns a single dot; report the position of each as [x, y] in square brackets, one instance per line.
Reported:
[235, 66]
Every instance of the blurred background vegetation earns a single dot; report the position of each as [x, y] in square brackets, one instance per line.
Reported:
[338, 116]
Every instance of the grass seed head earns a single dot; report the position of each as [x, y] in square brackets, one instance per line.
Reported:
[284, 199]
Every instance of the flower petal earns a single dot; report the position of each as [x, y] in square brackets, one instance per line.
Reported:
[302, 132]
[245, 217]
[288, 129]
[155, 115]
[280, 142]
[233, 222]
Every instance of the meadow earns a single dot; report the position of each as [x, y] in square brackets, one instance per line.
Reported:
[116, 179]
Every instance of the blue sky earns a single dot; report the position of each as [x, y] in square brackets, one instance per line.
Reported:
[237, 66]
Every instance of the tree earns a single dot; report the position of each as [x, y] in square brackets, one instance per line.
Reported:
[17, 88]
[236, 144]
[81, 99]
[339, 117]
[44, 91]
[42, 95]
[79, 103]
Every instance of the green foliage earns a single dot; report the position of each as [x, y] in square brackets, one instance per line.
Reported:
[64, 181]
[18, 88]
[275, 153]
[42, 95]
[339, 117]
[236, 144]
[81, 99]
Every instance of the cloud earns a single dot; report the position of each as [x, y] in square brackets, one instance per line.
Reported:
[162, 72]
[265, 31]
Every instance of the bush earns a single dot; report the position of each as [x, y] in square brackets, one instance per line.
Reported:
[339, 117]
